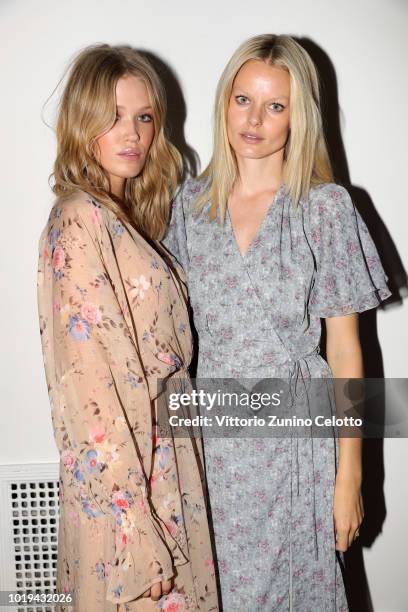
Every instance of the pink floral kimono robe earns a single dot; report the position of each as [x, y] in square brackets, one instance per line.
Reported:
[113, 320]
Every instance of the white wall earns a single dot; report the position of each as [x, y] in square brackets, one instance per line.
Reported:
[367, 43]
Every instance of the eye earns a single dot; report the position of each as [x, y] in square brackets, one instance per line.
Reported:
[275, 106]
[241, 99]
[145, 118]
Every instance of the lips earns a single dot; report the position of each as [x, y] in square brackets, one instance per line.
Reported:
[130, 154]
[250, 138]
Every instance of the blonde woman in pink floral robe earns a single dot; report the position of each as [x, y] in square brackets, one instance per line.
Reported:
[133, 532]
[113, 320]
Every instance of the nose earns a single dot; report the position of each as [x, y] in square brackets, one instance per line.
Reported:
[255, 116]
[132, 133]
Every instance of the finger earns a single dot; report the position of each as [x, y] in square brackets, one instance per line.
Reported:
[342, 541]
[146, 593]
[166, 587]
[155, 591]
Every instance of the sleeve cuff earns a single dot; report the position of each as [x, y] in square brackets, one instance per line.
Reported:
[359, 304]
[144, 556]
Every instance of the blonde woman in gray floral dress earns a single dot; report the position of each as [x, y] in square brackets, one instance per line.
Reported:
[133, 530]
[270, 246]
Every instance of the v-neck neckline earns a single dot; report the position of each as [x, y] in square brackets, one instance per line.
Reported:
[261, 226]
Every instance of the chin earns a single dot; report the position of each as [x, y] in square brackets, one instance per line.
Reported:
[252, 154]
[130, 174]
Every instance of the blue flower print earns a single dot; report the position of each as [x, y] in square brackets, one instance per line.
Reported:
[118, 229]
[131, 378]
[53, 238]
[118, 590]
[92, 465]
[163, 454]
[78, 475]
[90, 508]
[100, 571]
[79, 328]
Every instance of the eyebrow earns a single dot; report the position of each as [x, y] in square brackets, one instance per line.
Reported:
[248, 95]
[140, 109]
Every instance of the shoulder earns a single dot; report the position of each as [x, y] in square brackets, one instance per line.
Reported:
[189, 192]
[78, 219]
[80, 212]
[330, 194]
[329, 202]
[77, 207]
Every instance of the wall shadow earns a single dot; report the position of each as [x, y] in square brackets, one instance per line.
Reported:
[176, 113]
[358, 591]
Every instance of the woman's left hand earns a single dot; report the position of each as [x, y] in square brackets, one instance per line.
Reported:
[348, 511]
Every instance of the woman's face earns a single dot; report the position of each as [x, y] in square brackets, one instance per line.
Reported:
[122, 151]
[258, 116]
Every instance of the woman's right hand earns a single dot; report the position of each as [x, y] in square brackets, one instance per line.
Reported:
[158, 590]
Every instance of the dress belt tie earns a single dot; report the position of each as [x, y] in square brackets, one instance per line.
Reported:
[295, 378]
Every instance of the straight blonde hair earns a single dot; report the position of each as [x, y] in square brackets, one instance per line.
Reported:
[306, 157]
[88, 110]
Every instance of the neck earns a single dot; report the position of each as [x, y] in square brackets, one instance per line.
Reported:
[257, 175]
[117, 187]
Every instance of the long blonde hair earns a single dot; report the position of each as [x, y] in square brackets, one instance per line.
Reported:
[306, 158]
[88, 109]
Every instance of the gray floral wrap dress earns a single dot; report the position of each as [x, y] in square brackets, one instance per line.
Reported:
[114, 320]
[259, 316]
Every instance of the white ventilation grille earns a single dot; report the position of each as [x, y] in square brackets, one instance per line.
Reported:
[29, 531]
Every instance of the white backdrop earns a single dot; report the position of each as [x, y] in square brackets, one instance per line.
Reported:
[367, 43]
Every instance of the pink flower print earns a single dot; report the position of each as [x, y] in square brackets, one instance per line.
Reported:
[173, 602]
[74, 518]
[91, 313]
[96, 216]
[351, 247]
[142, 505]
[156, 439]
[154, 478]
[58, 259]
[45, 254]
[97, 434]
[68, 459]
[209, 563]
[231, 282]
[121, 499]
[171, 527]
[108, 570]
[139, 287]
[170, 359]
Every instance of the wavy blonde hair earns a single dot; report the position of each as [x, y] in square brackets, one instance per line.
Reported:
[87, 110]
[306, 157]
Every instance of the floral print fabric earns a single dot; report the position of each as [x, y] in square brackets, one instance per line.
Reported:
[259, 316]
[113, 321]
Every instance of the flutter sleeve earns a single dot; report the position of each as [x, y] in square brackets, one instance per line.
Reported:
[348, 273]
[175, 240]
[100, 402]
